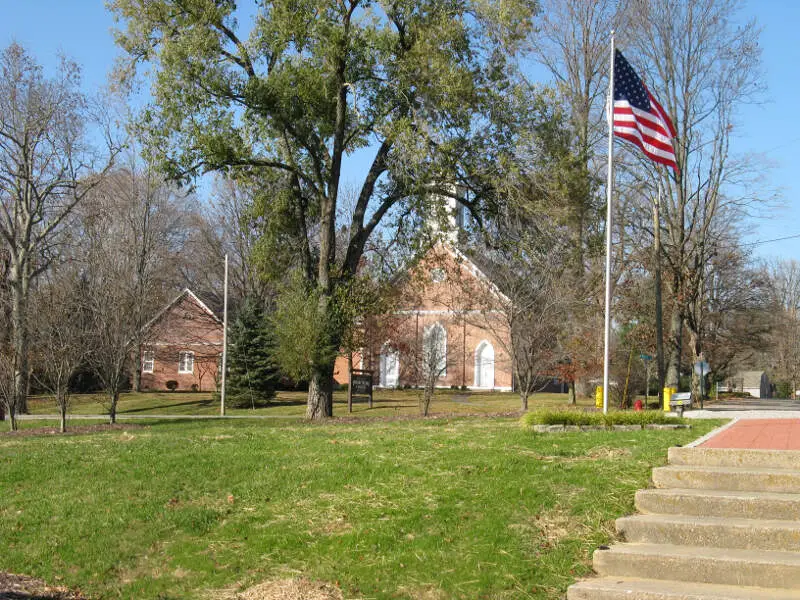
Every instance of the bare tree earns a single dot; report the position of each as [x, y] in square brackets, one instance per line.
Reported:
[113, 333]
[131, 232]
[152, 216]
[46, 168]
[526, 303]
[60, 342]
[701, 66]
[237, 233]
[429, 358]
[783, 278]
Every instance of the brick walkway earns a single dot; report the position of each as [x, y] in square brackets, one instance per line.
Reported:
[761, 434]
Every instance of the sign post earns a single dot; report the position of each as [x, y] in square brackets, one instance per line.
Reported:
[360, 385]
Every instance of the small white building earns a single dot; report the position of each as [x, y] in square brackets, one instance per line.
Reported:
[754, 383]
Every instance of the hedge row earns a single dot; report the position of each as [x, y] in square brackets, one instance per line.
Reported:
[574, 417]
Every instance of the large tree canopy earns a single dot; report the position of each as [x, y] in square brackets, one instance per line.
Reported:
[426, 85]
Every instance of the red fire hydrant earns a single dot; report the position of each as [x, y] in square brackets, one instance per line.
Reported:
[638, 405]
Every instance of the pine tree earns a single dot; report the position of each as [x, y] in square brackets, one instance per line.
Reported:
[252, 374]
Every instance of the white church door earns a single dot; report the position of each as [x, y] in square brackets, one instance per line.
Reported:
[390, 366]
[484, 365]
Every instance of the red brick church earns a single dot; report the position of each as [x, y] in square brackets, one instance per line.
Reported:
[446, 317]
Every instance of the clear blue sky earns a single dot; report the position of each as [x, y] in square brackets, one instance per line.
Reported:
[81, 29]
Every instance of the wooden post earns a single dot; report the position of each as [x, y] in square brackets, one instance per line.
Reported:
[350, 382]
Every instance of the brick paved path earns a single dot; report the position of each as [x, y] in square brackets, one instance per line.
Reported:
[761, 434]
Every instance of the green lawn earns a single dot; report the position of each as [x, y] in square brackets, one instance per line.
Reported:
[449, 508]
[387, 403]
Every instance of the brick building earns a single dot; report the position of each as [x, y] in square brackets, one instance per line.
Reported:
[182, 343]
[446, 319]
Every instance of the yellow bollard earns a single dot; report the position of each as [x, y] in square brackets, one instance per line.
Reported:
[668, 391]
[598, 396]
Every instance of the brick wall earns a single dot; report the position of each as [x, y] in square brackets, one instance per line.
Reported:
[185, 326]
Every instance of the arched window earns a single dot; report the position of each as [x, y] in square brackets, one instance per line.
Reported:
[484, 365]
[390, 366]
[434, 350]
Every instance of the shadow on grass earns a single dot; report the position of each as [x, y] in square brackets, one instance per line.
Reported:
[198, 403]
[23, 596]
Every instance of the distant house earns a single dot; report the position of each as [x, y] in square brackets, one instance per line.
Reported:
[182, 343]
[755, 383]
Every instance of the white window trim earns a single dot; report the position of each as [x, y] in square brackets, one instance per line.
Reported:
[386, 351]
[180, 361]
[477, 375]
[148, 356]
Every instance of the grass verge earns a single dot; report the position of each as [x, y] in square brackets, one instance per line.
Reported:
[464, 508]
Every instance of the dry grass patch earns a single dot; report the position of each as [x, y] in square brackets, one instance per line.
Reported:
[289, 589]
[548, 528]
[423, 592]
[606, 453]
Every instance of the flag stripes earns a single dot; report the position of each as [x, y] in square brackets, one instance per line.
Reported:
[639, 118]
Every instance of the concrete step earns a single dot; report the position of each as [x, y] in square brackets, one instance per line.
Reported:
[716, 532]
[734, 457]
[727, 478]
[721, 566]
[719, 503]
[608, 588]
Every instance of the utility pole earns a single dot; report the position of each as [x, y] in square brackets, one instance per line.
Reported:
[659, 307]
[224, 340]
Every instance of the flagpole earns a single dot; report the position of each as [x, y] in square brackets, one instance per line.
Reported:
[609, 192]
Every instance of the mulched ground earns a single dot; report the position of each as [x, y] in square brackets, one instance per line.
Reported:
[71, 430]
[20, 587]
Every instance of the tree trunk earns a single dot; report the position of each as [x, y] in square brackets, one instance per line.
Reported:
[697, 356]
[675, 342]
[658, 299]
[523, 396]
[19, 309]
[624, 402]
[320, 393]
[112, 412]
[12, 418]
[573, 399]
[137, 369]
[62, 409]
[427, 395]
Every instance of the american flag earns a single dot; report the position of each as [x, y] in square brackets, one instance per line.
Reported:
[638, 117]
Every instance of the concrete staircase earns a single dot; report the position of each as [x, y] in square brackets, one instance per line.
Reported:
[720, 525]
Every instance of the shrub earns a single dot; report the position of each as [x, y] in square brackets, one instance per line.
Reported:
[783, 389]
[464, 388]
[194, 387]
[596, 419]
[172, 385]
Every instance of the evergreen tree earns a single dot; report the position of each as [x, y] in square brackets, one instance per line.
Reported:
[252, 374]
